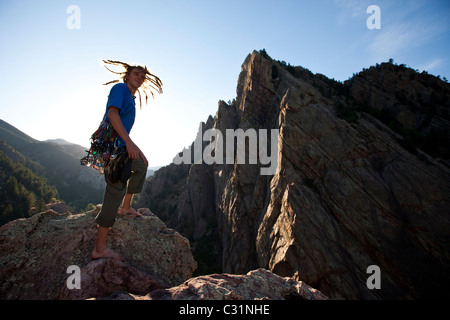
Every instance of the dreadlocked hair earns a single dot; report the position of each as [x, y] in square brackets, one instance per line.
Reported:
[152, 84]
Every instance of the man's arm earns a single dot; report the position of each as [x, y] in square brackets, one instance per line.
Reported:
[133, 151]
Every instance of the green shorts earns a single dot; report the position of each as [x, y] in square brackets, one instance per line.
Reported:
[115, 192]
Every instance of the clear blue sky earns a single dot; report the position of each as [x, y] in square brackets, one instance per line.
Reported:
[51, 83]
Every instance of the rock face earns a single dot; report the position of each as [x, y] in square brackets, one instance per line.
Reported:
[105, 277]
[358, 183]
[35, 254]
[257, 284]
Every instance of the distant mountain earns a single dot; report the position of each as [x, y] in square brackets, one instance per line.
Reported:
[151, 171]
[14, 136]
[23, 188]
[59, 141]
[58, 161]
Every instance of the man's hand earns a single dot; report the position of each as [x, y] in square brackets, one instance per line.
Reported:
[134, 153]
[133, 150]
[144, 158]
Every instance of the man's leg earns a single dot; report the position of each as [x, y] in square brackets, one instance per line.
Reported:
[100, 249]
[135, 185]
[112, 198]
[126, 206]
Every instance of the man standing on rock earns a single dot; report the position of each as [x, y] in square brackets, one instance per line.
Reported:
[120, 113]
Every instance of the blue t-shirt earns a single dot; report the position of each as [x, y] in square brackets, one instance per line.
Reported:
[121, 98]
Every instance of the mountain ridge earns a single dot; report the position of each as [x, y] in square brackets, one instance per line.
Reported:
[353, 187]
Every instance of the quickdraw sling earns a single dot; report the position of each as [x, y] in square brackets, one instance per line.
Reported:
[104, 148]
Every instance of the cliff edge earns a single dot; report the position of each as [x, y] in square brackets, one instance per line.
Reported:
[41, 256]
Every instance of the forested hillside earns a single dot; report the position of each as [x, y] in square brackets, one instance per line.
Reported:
[22, 191]
[34, 172]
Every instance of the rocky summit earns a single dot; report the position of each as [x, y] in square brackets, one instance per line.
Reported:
[362, 183]
[36, 255]
[257, 284]
[42, 256]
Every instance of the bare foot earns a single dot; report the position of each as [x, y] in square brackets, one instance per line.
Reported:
[106, 253]
[129, 211]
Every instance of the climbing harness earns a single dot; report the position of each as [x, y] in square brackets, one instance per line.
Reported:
[104, 148]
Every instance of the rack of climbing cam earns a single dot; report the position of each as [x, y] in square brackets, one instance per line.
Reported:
[104, 143]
